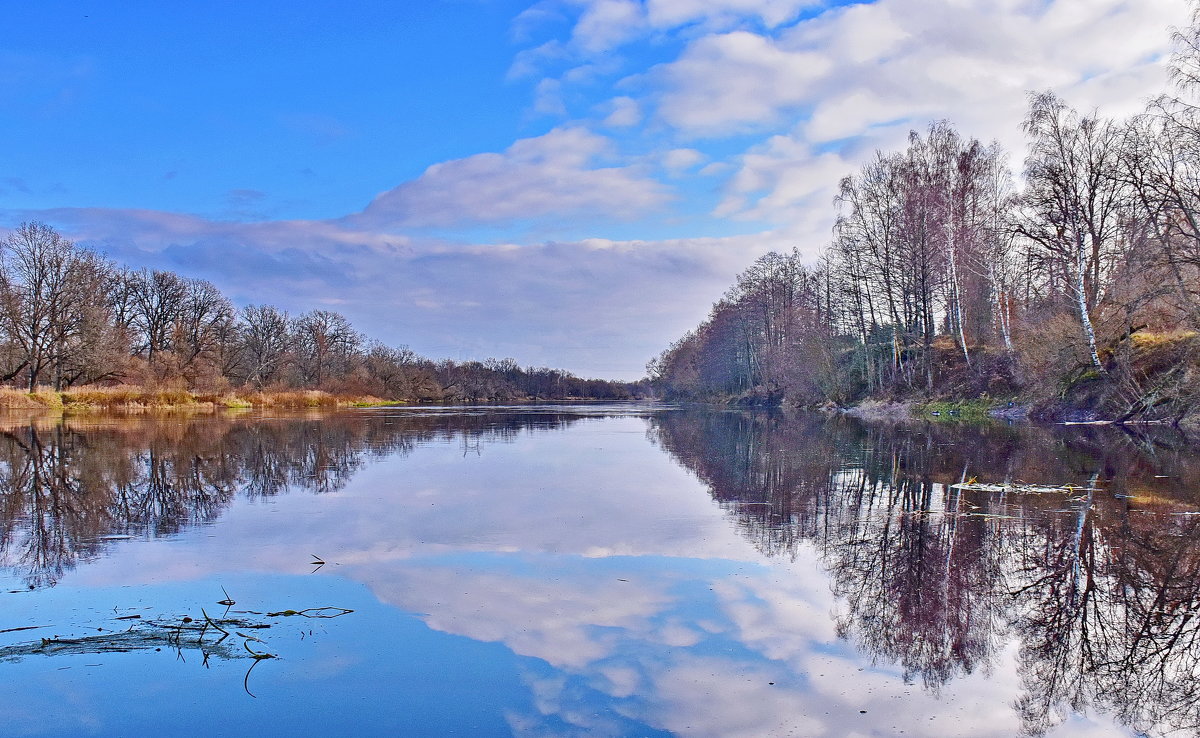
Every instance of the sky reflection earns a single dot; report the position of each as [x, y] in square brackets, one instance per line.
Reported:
[555, 572]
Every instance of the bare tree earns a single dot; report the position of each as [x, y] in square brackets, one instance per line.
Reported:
[1074, 200]
[265, 343]
[202, 329]
[157, 303]
[325, 344]
[48, 309]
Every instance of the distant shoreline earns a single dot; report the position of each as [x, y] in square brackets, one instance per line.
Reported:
[129, 397]
[135, 397]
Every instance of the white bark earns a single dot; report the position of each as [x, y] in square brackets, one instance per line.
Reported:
[1089, 332]
[956, 299]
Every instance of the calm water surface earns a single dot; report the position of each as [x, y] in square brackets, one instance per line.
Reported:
[615, 570]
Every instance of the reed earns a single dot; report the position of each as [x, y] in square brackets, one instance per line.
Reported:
[135, 397]
[16, 399]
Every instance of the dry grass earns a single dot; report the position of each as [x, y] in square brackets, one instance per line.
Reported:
[1146, 340]
[133, 397]
[103, 396]
[125, 396]
[109, 397]
[14, 398]
[292, 399]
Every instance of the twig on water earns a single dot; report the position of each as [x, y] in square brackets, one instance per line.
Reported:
[312, 612]
[228, 602]
[209, 621]
[258, 656]
[246, 679]
[24, 627]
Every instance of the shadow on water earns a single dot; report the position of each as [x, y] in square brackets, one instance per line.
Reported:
[1098, 584]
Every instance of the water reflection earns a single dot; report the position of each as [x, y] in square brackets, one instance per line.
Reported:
[592, 582]
[1098, 585]
[69, 487]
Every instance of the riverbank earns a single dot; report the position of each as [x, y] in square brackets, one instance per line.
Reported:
[971, 410]
[132, 397]
[984, 411]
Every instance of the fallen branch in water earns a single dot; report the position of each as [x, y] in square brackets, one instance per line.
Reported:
[312, 612]
[26, 627]
[1024, 489]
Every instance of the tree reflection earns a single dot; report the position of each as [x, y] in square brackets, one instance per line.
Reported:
[1111, 621]
[69, 487]
[1100, 585]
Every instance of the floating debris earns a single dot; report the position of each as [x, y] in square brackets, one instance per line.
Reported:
[24, 627]
[142, 635]
[222, 638]
[312, 612]
[228, 601]
[1025, 489]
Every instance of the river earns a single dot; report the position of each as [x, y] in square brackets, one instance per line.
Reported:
[624, 570]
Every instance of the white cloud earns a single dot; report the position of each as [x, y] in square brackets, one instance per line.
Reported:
[783, 180]
[910, 59]
[809, 99]
[550, 619]
[714, 168]
[526, 24]
[529, 62]
[825, 90]
[550, 175]
[597, 307]
[853, 113]
[726, 81]
[548, 98]
[625, 112]
[854, 78]
[671, 13]
[678, 161]
[605, 24]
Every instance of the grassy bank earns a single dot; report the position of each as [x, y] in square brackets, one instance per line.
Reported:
[947, 411]
[970, 411]
[131, 397]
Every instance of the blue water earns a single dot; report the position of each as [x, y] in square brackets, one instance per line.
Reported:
[541, 572]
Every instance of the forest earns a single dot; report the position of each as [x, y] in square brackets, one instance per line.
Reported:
[1069, 288]
[70, 317]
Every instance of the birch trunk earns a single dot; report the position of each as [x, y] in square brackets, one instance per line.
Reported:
[956, 301]
[1085, 318]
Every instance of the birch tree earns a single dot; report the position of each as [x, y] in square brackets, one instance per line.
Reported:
[1074, 200]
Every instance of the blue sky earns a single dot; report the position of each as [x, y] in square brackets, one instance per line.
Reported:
[566, 182]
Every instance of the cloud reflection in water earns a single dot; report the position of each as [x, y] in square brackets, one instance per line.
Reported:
[764, 577]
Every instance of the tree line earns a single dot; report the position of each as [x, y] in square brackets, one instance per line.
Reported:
[944, 276]
[69, 317]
